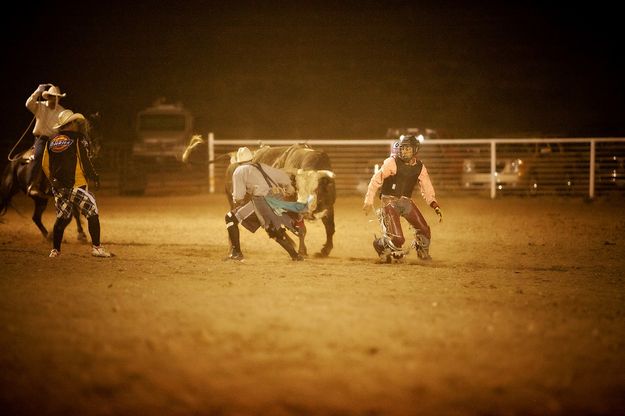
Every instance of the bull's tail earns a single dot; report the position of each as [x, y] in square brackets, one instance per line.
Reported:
[194, 144]
[210, 162]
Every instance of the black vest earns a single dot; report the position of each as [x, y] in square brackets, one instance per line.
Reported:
[403, 182]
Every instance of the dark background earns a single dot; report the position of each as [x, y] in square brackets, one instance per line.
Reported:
[325, 70]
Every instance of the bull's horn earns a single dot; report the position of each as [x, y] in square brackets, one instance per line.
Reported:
[328, 173]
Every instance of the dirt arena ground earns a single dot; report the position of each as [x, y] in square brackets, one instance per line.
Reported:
[520, 312]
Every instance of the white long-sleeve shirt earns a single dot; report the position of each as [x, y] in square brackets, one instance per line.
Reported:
[45, 117]
[246, 178]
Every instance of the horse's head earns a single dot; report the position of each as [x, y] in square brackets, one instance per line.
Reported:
[92, 129]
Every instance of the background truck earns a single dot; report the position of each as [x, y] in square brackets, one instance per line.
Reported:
[162, 132]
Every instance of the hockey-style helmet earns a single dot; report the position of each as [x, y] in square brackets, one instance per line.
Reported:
[408, 141]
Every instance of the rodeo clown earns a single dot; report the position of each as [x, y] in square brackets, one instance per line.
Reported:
[67, 165]
[397, 178]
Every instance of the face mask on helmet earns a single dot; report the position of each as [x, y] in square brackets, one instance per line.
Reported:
[408, 147]
[406, 153]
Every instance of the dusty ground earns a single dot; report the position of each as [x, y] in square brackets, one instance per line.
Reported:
[521, 311]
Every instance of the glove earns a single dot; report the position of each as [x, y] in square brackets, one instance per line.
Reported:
[439, 213]
[96, 182]
[367, 208]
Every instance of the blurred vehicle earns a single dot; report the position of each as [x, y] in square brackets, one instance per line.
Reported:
[476, 169]
[162, 132]
[531, 169]
[610, 166]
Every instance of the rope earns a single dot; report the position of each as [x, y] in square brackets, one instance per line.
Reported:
[12, 157]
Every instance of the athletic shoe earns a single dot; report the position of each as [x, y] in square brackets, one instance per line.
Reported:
[99, 251]
[54, 253]
[236, 255]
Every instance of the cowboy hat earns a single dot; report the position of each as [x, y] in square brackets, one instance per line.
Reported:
[244, 155]
[67, 116]
[53, 90]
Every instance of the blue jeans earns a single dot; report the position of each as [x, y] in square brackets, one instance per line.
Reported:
[35, 172]
[40, 142]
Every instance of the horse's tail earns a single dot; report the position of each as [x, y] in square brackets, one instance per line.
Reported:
[6, 187]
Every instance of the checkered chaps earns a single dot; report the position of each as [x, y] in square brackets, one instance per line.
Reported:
[67, 198]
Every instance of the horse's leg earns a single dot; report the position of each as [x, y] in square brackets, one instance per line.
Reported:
[40, 207]
[82, 237]
[328, 223]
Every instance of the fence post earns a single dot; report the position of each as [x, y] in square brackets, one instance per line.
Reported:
[493, 168]
[591, 184]
[211, 166]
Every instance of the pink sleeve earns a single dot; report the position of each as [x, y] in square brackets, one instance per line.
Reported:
[425, 185]
[389, 168]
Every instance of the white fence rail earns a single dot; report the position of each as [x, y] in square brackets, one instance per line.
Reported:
[535, 166]
[490, 167]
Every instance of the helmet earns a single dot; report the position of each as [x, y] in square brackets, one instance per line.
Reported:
[411, 141]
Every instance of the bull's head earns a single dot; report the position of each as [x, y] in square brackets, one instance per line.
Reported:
[196, 141]
[307, 184]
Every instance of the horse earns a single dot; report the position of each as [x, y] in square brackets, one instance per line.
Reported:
[18, 170]
[310, 169]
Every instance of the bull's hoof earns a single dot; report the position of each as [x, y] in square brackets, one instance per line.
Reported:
[325, 252]
[82, 237]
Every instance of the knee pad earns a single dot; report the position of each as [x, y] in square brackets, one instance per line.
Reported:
[230, 219]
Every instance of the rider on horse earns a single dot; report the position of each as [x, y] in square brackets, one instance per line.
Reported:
[46, 116]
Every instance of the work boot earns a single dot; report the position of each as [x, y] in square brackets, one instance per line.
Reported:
[422, 245]
[384, 253]
[286, 244]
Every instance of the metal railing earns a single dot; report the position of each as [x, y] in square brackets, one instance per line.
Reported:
[530, 166]
[488, 167]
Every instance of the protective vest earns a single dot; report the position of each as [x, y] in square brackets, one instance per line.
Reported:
[403, 182]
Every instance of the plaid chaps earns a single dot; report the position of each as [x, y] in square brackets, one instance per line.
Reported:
[66, 198]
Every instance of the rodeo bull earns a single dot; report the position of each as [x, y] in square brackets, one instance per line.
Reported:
[312, 174]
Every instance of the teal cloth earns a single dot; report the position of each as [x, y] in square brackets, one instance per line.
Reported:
[280, 206]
